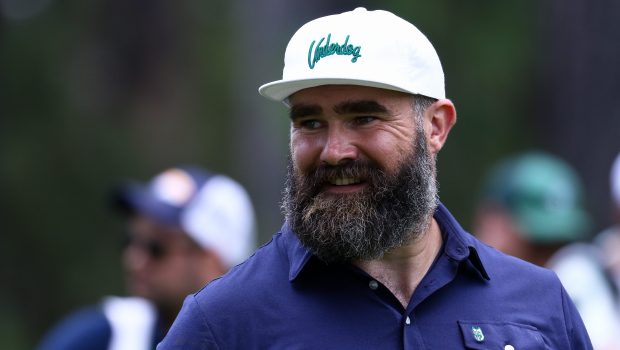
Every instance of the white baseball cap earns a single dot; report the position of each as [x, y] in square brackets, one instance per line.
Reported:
[213, 209]
[359, 47]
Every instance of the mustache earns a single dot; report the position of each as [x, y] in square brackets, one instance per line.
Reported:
[367, 171]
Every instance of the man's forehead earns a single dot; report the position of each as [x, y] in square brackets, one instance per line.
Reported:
[346, 92]
[143, 225]
[362, 106]
[345, 99]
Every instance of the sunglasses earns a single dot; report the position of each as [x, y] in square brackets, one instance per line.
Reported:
[156, 250]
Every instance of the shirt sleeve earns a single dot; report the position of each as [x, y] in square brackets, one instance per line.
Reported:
[84, 329]
[577, 334]
[190, 330]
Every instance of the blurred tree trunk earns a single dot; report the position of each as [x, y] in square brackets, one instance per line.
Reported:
[579, 113]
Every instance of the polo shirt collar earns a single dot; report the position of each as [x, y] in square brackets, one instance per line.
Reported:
[298, 255]
[458, 245]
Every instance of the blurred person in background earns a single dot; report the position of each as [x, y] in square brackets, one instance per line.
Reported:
[185, 227]
[609, 239]
[532, 208]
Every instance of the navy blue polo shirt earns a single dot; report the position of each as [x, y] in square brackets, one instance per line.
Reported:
[473, 297]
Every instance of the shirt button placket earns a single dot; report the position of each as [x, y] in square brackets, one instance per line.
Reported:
[412, 339]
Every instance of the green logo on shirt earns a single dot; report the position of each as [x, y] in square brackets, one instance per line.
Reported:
[477, 332]
[329, 49]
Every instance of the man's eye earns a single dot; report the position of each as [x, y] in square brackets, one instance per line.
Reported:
[310, 124]
[364, 120]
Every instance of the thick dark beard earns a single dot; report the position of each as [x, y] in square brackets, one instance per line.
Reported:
[391, 211]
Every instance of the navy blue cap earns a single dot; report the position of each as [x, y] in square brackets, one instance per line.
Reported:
[213, 209]
[163, 198]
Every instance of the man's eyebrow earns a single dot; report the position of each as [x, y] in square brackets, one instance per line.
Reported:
[304, 110]
[360, 107]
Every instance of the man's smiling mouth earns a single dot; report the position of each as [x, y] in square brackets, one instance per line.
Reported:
[343, 181]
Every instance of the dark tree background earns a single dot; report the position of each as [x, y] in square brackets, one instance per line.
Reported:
[99, 91]
[579, 114]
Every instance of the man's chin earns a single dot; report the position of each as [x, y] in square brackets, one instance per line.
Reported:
[139, 289]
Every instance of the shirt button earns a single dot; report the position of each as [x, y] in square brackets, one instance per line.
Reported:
[408, 321]
[509, 347]
[373, 285]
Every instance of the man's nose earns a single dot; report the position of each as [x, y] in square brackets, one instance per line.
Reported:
[339, 146]
[135, 259]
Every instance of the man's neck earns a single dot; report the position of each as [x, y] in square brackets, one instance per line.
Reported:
[402, 268]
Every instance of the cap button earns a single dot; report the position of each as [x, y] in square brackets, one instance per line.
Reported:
[360, 9]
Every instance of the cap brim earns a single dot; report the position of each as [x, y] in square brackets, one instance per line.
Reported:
[565, 226]
[132, 199]
[281, 90]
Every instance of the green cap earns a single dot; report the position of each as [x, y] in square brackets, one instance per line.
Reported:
[543, 194]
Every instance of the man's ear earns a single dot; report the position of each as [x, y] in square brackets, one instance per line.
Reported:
[439, 119]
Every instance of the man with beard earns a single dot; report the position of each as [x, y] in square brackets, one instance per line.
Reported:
[368, 258]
